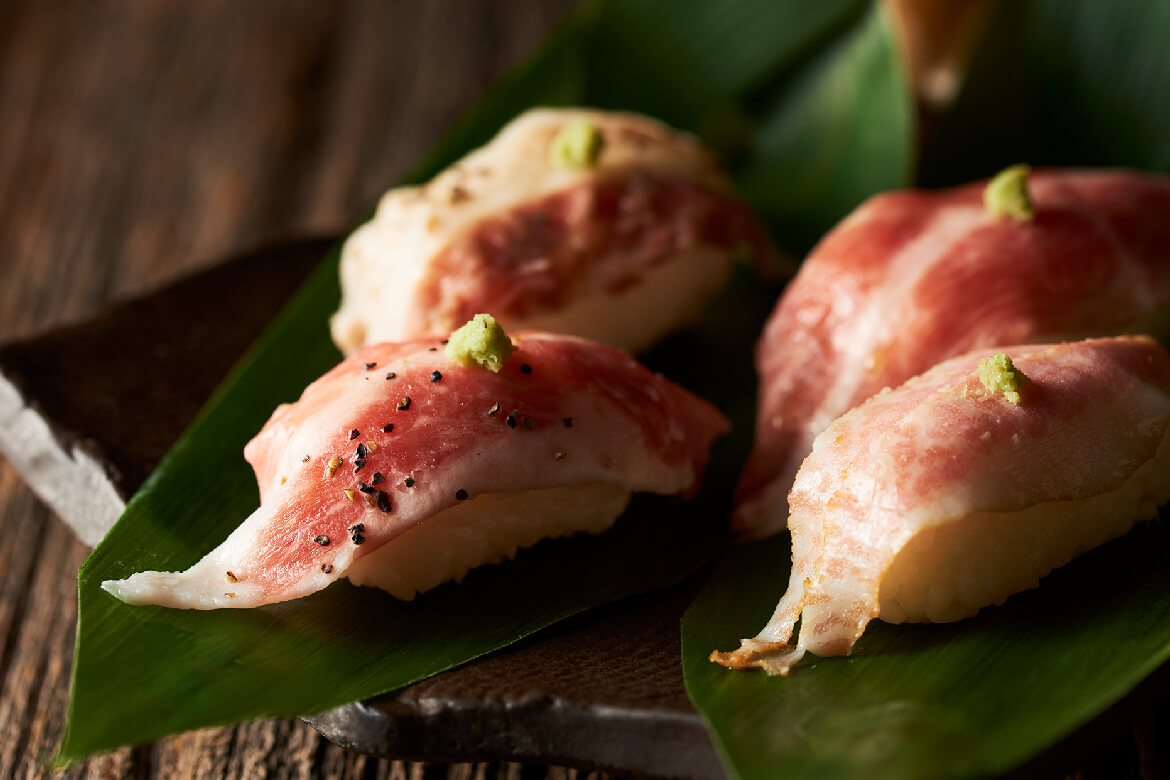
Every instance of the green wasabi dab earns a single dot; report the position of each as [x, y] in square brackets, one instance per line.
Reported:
[999, 374]
[481, 341]
[1007, 194]
[576, 145]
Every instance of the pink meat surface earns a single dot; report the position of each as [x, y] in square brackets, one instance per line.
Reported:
[562, 411]
[913, 278]
[598, 238]
[941, 448]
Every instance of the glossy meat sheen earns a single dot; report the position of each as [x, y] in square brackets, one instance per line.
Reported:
[913, 278]
[1090, 429]
[623, 251]
[583, 413]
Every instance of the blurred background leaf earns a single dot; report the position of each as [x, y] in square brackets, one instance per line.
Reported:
[1061, 82]
[806, 103]
[832, 135]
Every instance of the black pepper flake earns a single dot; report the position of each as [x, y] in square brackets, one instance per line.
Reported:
[362, 486]
[525, 368]
[353, 434]
[321, 540]
[377, 478]
[362, 450]
[436, 376]
[327, 568]
[529, 423]
[404, 404]
[358, 465]
[568, 421]
[409, 482]
[305, 459]
[371, 366]
[391, 375]
[383, 501]
[511, 420]
[356, 533]
[444, 341]
[494, 410]
[460, 495]
[387, 427]
[433, 349]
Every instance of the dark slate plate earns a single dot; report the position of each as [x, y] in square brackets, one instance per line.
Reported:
[602, 690]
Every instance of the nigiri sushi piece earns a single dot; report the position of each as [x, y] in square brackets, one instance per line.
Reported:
[408, 464]
[912, 278]
[965, 485]
[609, 226]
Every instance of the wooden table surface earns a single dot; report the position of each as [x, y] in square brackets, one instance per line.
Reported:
[142, 140]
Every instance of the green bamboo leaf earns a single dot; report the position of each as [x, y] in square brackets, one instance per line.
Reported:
[841, 130]
[140, 672]
[974, 698]
[696, 66]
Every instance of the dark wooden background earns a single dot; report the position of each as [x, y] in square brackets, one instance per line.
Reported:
[142, 140]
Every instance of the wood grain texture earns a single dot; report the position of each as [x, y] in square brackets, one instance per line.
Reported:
[142, 140]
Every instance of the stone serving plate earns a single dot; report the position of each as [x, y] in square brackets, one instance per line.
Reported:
[602, 690]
